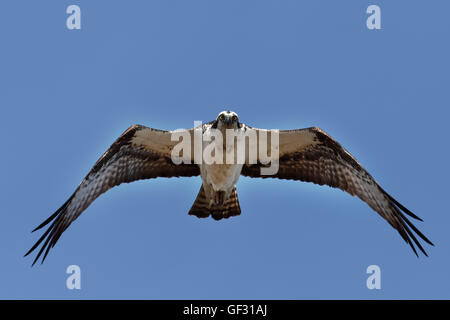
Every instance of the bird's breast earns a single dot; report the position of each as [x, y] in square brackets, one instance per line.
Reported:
[221, 176]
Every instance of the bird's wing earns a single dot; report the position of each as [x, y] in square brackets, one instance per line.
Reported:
[311, 155]
[139, 153]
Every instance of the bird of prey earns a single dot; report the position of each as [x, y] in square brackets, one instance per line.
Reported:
[308, 155]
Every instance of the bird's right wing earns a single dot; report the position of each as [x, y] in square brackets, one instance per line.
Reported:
[139, 153]
[311, 155]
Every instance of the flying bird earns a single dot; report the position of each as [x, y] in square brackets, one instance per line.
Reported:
[308, 155]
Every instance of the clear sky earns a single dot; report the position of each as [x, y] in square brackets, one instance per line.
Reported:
[66, 95]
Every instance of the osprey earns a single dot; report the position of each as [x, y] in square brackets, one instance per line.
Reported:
[308, 155]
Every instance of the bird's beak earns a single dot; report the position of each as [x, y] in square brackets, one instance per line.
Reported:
[228, 121]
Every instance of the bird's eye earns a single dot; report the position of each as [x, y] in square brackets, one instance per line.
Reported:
[235, 118]
[222, 117]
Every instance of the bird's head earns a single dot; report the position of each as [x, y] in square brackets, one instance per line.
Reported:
[227, 120]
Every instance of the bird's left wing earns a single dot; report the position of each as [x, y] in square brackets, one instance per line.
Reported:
[311, 155]
[139, 153]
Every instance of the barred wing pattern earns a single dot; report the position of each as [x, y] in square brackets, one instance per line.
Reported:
[311, 155]
[139, 153]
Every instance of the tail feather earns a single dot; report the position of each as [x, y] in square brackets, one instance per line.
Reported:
[201, 207]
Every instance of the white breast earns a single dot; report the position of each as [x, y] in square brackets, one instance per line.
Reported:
[221, 177]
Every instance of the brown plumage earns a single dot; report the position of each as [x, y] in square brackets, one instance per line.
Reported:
[202, 209]
[127, 160]
[324, 161]
[308, 155]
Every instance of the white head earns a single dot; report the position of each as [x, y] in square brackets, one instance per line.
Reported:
[227, 120]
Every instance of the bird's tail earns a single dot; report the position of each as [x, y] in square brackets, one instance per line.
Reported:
[202, 209]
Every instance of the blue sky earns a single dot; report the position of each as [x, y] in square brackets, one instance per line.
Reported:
[66, 95]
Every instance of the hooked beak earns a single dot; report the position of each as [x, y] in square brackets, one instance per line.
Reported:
[228, 121]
